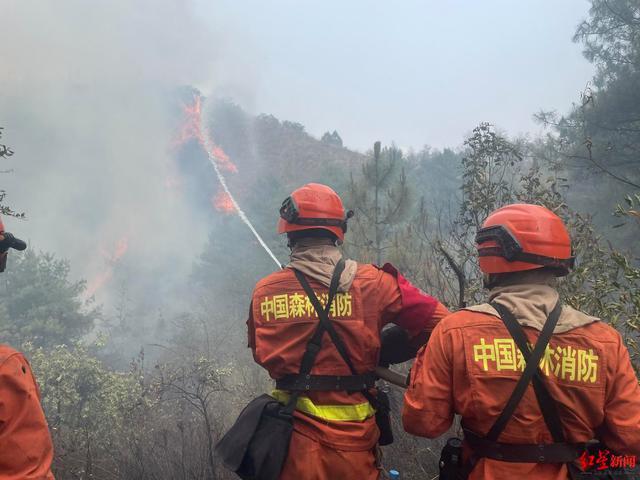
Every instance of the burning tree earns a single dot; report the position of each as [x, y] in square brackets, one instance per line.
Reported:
[112, 259]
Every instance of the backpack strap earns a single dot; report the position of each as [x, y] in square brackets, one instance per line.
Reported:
[532, 366]
[568, 452]
[315, 342]
[323, 315]
[557, 452]
[327, 324]
[546, 402]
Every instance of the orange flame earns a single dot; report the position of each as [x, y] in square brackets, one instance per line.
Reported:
[223, 203]
[121, 248]
[112, 258]
[191, 126]
[192, 129]
[223, 160]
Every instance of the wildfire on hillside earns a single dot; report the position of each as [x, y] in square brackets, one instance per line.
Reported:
[191, 129]
[223, 160]
[112, 258]
[223, 203]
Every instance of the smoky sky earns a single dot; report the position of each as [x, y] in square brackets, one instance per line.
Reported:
[415, 72]
[86, 94]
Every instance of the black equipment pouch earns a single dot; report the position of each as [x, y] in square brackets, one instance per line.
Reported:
[381, 401]
[395, 346]
[383, 418]
[450, 464]
[257, 444]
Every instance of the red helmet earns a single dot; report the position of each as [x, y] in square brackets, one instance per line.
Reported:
[314, 206]
[524, 237]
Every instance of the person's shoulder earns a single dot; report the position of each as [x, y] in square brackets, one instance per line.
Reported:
[468, 317]
[383, 278]
[596, 329]
[368, 270]
[387, 272]
[283, 275]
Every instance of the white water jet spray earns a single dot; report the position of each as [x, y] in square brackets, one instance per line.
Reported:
[209, 149]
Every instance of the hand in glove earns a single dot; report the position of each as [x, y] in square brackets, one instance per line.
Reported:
[396, 346]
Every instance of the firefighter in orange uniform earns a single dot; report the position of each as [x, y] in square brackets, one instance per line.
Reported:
[335, 433]
[583, 387]
[26, 450]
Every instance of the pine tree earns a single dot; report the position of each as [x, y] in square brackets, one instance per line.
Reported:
[381, 201]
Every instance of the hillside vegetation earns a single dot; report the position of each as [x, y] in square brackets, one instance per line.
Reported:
[125, 401]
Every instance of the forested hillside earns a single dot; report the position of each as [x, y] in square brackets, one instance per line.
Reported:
[136, 392]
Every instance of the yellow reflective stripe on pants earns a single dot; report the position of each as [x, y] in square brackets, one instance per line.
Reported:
[338, 413]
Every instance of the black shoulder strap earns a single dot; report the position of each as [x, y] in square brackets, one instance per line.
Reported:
[323, 315]
[547, 404]
[326, 323]
[533, 360]
[315, 342]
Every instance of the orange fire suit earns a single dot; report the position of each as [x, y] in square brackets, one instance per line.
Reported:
[335, 434]
[471, 366]
[26, 451]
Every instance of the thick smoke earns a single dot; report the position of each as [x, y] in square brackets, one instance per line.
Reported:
[88, 99]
